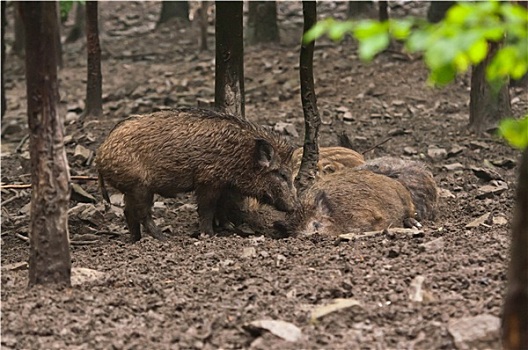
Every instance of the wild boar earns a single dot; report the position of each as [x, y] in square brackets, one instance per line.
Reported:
[181, 150]
[348, 201]
[331, 159]
[415, 177]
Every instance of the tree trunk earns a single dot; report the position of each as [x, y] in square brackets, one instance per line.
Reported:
[174, 9]
[312, 120]
[360, 9]
[4, 106]
[229, 68]
[94, 89]
[19, 44]
[383, 11]
[77, 30]
[515, 315]
[437, 10]
[58, 43]
[486, 105]
[262, 22]
[49, 259]
[204, 23]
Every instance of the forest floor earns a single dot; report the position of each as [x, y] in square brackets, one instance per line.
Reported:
[202, 293]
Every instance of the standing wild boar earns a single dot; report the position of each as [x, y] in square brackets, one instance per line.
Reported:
[170, 152]
[351, 200]
[415, 177]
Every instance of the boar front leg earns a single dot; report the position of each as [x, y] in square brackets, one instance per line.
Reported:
[207, 199]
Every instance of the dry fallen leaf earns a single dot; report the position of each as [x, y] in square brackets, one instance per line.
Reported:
[282, 329]
[335, 305]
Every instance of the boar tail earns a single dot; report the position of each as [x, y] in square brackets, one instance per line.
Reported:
[104, 192]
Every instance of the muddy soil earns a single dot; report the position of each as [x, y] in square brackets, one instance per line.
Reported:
[201, 293]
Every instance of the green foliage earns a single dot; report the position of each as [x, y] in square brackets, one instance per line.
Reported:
[515, 131]
[451, 46]
[66, 6]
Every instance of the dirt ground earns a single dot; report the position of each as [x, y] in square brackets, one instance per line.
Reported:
[201, 293]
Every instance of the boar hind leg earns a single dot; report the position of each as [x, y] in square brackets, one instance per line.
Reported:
[207, 200]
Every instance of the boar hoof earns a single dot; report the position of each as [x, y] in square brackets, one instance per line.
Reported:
[411, 223]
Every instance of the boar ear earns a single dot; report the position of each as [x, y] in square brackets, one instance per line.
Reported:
[322, 204]
[264, 153]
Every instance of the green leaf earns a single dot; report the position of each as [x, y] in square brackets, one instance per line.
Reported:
[401, 29]
[442, 75]
[374, 45]
[318, 30]
[515, 131]
[478, 51]
[338, 30]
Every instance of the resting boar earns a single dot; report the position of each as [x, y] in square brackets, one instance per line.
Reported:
[351, 200]
[188, 149]
[415, 177]
[331, 159]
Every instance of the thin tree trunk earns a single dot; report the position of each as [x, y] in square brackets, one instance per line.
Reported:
[49, 259]
[94, 89]
[437, 10]
[229, 68]
[4, 107]
[360, 9]
[79, 24]
[262, 22]
[174, 9]
[19, 44]
[515, 314]
[312, 120]
[383, 11]
[486, 105]
[204, 23]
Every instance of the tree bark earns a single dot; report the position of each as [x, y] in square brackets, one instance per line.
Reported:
[486, 105]
[19, 44]
[58, 42]
[204, 23]
[229, 67]
[77, 30]
[360, 9]
[49, 259]
[312, 120]
[94, 89]
[383, 11]
[515, 314]
[437, 10]
[262, 22]
[4, 106]
[174, 9]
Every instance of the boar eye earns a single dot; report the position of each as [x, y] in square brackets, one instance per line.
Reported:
[282, 175]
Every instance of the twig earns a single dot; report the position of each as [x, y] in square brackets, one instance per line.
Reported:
[18, 149]
[83, 242]
[22, 237]
[11, 199]
[22, 186]
[377, 145]
[83, 178]
[15, 186]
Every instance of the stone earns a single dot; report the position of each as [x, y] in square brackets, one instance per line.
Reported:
[436, 153]
[478, 332]
[489, 191]
[454, 167]
[82, 275]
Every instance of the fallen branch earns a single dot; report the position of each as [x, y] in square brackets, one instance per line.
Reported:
[22, 237]
[23, 186]
[376, 145]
